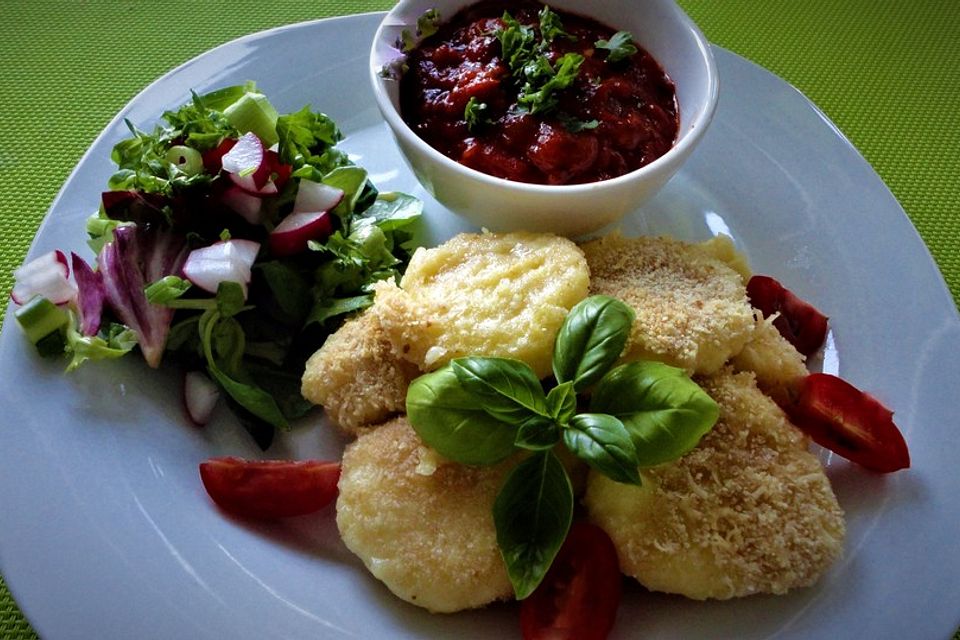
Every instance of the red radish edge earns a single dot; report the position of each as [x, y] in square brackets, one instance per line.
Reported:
[316, 196]
[297, 229]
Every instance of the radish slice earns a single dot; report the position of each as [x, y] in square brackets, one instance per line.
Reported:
[244, 203]
[297, 229]
[316, 196]
[200, 396]
[249, 184]
[245, 157]
[227, 261]
[213, 158]
[261, 179]
[45, 276]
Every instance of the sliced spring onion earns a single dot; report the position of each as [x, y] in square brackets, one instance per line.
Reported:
[186, 159]
[254, 113]
[39, 318]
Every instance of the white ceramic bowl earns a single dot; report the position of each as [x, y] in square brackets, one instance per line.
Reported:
[659, 26]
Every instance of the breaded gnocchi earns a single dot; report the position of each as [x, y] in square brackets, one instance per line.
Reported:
[356, 377]
[495, 294]
[422, 525]
[775, 362]
[750, 510]
[692, 308]
[722, 248]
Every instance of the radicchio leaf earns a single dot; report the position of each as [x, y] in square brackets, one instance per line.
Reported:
[136, 257]
[90, 295]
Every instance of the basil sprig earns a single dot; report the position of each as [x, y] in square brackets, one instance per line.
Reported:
[479, 410]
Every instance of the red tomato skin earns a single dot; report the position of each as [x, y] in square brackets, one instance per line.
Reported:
[579, 596]
[799, 321]
[268, 489]
[849, 422]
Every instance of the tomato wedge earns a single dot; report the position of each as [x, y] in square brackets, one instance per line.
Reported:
[267, 489]
[579, 596]
[849, 422]
[799, 322]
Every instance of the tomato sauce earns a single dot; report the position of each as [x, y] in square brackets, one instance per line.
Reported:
[614, 117]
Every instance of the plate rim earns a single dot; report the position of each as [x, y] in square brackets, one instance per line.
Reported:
[85, 157]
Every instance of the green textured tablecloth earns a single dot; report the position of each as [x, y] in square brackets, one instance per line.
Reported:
[887, 72]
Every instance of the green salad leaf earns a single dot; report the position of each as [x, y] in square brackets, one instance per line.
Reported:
[171, 195]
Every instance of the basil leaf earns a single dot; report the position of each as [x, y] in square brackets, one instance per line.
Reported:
[664, 410]
[532, 514]
[449, 419]
[537, 434]
[562, 402]
[508, 390]
[590, 340]
[603, 442]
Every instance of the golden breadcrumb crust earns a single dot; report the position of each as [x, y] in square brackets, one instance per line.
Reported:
[692, 308]
[777, 364]
[484, 294]
[422, 525]
[750, 510]
[356, 377]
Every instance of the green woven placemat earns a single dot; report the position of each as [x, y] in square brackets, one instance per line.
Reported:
[885, 71]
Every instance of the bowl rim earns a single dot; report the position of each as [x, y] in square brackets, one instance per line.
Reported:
[680, 149]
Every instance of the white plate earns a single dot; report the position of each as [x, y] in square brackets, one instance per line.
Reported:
[106, 531]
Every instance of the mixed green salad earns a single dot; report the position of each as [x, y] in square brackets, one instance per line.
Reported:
[231, 241]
